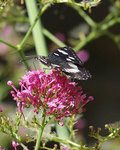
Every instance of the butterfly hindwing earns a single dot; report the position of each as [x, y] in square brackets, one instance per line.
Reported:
[77, 72]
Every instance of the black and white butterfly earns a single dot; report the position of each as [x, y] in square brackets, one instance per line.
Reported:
[66, 60]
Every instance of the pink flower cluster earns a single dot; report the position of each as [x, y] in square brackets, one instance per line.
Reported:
[54, 92]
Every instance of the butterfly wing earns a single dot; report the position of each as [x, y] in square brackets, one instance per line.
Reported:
[66, 60]
[64, 54]
[50, 63]
[77, 72]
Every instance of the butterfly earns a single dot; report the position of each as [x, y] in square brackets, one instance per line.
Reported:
[66, 60]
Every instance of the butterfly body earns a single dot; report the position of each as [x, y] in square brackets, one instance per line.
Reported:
[66, 60]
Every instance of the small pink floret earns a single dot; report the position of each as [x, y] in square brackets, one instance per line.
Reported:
[91, 98]
[9, 83]
[61, 123]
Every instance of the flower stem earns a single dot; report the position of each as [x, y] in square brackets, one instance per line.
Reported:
[34, 21]
[89, 38]
[84, 15]
[37, 146]
[24, 147]
[67, 142]
[16, 138]
[31, 27]
[15, 19]
[53, 38]
[39, 40]
[8, 44]
[36, 27]
[20, 53]
[24, 59]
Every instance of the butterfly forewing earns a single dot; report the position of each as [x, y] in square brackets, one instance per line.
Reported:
[65, 54]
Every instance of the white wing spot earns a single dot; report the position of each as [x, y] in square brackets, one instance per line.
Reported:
[72, 65]
[55, 65]
[72, 58]
[56, 54]
[73, 68]
[63, 52]
[68, 59]
[65, 49]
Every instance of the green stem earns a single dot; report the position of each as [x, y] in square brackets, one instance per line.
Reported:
[108, 17]
[84, 15]
[24, 59]
[89, 38]
[24, 147]
[20, 53]
[37, 146]
[39, 40]
[108, 24]
[67, 142]
[97, 32]
[72, 135]
[16, 138]
[20, 46]
[110, 136]
[28, 33]
[15, 19]
[53, 38]
[32, 26]
[113, 37]
[47, 148]
[8, 44]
